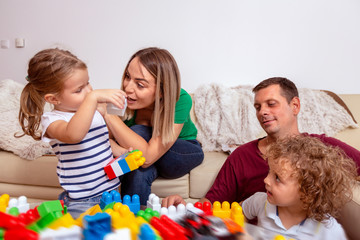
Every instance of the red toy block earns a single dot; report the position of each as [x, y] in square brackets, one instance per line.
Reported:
[168, 229]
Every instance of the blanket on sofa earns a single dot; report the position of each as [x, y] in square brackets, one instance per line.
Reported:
[25, 147]
[226, 116]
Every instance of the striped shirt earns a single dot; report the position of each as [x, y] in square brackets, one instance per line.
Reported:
[80, 167]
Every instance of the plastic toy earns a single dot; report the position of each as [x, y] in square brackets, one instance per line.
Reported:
[20, 203]
[147, 233]
[168, 228]
[153, 202]
[221, 211]
[91, 211]
[4, 201]
[124, 164]
[133, 203]
[236, 214]
[49, 212]
[206, 207]
[107, 198]
[96, 226]
[71, 233]
[148, 214]
[123, 234]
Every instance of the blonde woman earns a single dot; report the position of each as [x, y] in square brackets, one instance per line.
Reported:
[157, 121]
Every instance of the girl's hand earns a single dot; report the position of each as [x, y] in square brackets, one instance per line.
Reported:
[114, 96]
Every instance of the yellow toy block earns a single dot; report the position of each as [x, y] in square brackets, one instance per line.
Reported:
[135, 160]
[221, 211]
[66, 221]
[4, 202]
[91, 211]
[122, 217]
[237, 214]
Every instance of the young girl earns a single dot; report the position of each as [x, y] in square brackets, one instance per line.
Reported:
[158, 121]
[307, 185]
[74, 128]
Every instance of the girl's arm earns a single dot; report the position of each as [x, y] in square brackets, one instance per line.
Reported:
[76, 129]
[151, 150]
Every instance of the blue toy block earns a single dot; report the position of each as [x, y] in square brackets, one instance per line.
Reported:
[133, 203]
[146, 233]
[96, 226]
[107, 198]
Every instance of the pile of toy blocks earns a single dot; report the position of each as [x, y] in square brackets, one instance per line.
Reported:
[116, 218]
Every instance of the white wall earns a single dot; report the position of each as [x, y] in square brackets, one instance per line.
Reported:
[314, 43]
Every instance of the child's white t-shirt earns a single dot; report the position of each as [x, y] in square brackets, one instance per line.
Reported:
[80, 166]
[266, 213]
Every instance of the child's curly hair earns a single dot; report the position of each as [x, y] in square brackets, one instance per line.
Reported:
[325, 174]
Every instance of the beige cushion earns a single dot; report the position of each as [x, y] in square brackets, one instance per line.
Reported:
[203, 176]
[40, 172]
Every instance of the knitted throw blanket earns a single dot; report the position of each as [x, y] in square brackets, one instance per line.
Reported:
[226, 115]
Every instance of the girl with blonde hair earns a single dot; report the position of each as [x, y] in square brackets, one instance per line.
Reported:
[157, 121]
[75, 129]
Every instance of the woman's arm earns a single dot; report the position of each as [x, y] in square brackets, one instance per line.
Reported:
[151, 150]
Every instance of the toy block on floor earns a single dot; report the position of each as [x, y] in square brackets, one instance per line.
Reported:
[221, 210]
[206, 207]
[124, 164]
[132, 202]
[147, 214]
[96, 226]
[168, 229]
[107, 198]
[153, 202]
[72, 233]
[236, 214]
[20, 203]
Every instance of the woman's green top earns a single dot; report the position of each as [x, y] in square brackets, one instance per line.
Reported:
[182, 116]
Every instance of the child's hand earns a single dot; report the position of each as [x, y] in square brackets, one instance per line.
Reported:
[114, 96]
[117, 150]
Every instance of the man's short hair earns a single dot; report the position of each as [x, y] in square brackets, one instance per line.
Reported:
[288, 88]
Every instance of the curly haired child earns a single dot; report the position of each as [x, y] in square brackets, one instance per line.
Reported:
[307, 185]
[75, 128]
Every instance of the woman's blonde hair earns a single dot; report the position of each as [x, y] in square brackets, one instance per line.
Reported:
[325, 174]
[163, 67]
[47, 71]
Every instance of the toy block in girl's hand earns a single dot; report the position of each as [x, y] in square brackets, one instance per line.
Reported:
[125, 163]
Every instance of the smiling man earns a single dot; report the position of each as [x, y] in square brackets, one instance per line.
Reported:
[277, 106]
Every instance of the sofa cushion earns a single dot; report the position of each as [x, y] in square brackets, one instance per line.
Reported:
[40, 172]
[203, 176]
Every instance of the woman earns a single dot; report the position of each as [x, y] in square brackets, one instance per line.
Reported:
[157, 121]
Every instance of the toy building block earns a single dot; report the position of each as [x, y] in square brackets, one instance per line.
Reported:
[91, 211]
[123, 234]
[72, 233]
[236, 214]
[66, 221]
[20, 203]
[168, 228]
[8, 221]
[20, 233]
[122, 217]
[147, 233]
[96, 226]
[49, 211]
[148, 214]
[30, 216]
[4, 202]
[107, 198]
[153, 202]
[124, 164]
[206, 207]
[221, 211]
[133, 203]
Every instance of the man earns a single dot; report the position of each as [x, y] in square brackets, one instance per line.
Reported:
[277, 105]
